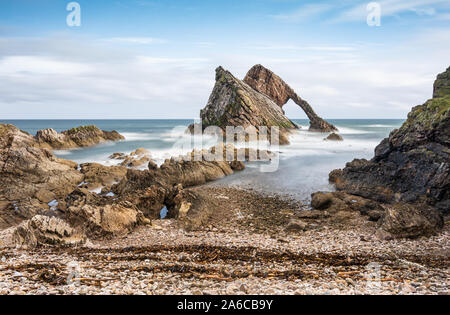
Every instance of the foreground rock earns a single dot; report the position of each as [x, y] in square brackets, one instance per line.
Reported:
[152, 190]
[31, 176]
[410, 173]
[268, 83]
[98, 176]
[234, 103]
[45, 230]
[83, 136]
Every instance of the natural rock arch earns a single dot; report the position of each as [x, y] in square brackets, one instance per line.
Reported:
[268, 83]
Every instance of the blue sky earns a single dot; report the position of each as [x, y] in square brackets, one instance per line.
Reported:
[156, 59]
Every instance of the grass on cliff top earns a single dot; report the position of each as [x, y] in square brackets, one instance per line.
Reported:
[81, 129]
[432, 113]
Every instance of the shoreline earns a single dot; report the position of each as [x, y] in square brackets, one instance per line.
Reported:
[240, 250]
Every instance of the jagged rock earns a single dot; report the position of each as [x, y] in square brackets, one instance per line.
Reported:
[83, 136]
[44, 230]
[410, 221]
[97, 175]
[135, 159]
[108, 220]
[234, 103]
[410, 173]
[29, 173]
[334, 137]
[265, 81]
[156, 188]
[413, 163]
[101, 217]
[152, 165]
[442, 85]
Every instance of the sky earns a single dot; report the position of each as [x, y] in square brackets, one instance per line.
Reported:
[155, 59]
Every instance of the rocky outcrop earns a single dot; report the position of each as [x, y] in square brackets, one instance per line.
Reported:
[135, 159]
[156, 188]
[334, 137]
[442, 85]
[409, 221]
[268, 83]
[83, 136]
[45, 230]
[412, 164]
[98, 176]
[410, 173]
[234, 103]
[31, 176]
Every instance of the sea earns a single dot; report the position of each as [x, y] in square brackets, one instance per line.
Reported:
[299, 169]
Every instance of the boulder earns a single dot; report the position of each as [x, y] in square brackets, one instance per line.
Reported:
[237, 166]
[410, 221]
[45, 230]
[98, 216]
[334, 202]
[296, 226]
[334, 137]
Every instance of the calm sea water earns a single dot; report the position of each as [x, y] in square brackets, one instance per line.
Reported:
[303, 166]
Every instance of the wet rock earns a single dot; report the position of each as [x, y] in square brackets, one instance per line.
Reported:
[237, 166]
[44, 230]
[99, 175]
[334, 137]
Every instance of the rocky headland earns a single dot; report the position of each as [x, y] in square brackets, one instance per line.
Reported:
[406, 186]
[80, 137]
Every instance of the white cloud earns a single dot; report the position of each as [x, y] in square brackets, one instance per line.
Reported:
[303, 13]
[390, 8]
[137, 40]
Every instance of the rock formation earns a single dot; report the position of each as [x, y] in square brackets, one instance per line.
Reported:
[234, 103]
[135, 159]
[410, 167]
[83, 136]
[334, 137]
[265, 81]
[45, 230]
[152, 190]
[31, 176]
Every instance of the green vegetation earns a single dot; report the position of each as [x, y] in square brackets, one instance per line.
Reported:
[81, 129]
